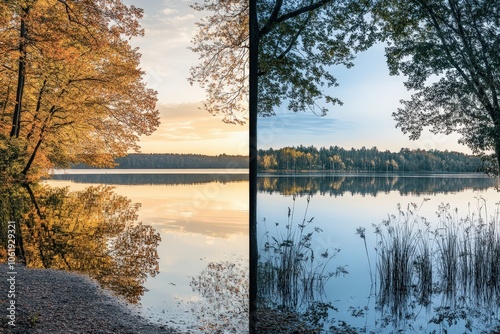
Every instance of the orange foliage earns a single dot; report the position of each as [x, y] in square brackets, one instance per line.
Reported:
[84, 98]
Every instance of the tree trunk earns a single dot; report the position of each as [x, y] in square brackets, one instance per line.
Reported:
[21, 74]
[33, 228]
[33, 155]
[253, 108]
[497, 153]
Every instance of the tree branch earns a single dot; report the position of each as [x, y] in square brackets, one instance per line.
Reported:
[294, 39]
[450, 57]
[275, 19]
[272, 19]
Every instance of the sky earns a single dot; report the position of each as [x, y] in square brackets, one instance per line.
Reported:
[369, 94]
[185, 126]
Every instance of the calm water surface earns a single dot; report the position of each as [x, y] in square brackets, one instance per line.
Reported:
[201, 217]
[342, 204]
[95, 171]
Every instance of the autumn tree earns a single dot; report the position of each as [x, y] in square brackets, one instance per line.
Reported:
[449, 52]
[336, 160]
[72, 90]
[268, 162]
[222, 45]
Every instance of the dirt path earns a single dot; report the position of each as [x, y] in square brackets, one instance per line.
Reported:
[55, 301]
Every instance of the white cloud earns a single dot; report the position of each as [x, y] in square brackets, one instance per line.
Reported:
[169, 11]
[182, 18]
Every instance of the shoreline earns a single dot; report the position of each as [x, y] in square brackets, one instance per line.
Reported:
[58, 301]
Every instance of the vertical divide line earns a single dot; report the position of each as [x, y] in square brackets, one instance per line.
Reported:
[253, 108]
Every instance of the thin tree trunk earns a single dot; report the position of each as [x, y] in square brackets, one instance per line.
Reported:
[253, 107]
[33, 155]
[497, 153]
[37, 110]
[21, 74]
[40, 140]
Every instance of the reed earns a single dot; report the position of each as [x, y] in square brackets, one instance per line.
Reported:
[397, 256]
[469, 249]
[362, 234]
[455, 258]
[290, 273]
[448, 250]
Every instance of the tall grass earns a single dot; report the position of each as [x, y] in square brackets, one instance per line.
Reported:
[403, 260]
[290, 273]
[469, 249]
[456, 258]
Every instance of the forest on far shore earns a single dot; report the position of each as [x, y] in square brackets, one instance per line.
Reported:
[303, 159]
[174, 161]
[334, 158]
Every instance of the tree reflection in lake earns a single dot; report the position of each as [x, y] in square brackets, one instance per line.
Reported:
[450, 269]
[224, 288]
[93, 231]
[372, 184]
[432, 276]
[170, 179]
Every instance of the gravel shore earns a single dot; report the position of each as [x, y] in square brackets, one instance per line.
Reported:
[56, 301]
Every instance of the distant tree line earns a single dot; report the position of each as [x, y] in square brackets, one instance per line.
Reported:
[170, 160]
[334, 158]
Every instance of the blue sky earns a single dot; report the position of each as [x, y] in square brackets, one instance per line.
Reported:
[369, 94]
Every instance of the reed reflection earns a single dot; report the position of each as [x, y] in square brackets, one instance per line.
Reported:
[93, 231]
[292, 274]
[450, 269]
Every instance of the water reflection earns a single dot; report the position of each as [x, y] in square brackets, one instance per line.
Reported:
[430, 276]
[224, 288]
[198, 224]
[136, 179]
[93, 231]
[451, 270]
[291, 273]
[372, 184]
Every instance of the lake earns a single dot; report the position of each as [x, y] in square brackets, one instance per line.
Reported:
[202, 218]
[430, 268]
[387, 239]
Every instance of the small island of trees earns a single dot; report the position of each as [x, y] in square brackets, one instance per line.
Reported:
[334, 158]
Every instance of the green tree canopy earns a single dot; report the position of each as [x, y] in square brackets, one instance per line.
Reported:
[298, 43]
[449, 52]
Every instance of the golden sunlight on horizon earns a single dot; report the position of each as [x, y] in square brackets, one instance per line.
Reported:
[188, 128]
